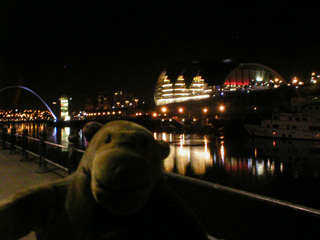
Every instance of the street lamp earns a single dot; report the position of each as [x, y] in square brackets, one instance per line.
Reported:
[222, 108]
[164, 109]
[180, 110]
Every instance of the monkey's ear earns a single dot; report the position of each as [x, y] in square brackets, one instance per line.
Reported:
[164, 149]
[90, 129]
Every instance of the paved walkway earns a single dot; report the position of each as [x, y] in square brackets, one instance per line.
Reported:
[16, 175]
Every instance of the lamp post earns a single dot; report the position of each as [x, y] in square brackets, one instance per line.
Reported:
[205, 111]
[164, 110]
[222, 108]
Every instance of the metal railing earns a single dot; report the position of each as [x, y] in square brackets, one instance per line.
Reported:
[40, 148]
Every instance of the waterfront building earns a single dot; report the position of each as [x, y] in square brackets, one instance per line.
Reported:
[102, 102]
[122, 99]
[167, 93]
[164, 90]
[64, 108]
[200, 81]
[251, 77]
[180, 89]
[199, 88]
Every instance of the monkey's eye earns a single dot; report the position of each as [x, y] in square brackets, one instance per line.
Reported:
[108, 139]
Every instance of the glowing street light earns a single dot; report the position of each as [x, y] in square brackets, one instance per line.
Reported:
[164, 109]
[205, 110]
[181, 110]
[222, 108]
[295, 80]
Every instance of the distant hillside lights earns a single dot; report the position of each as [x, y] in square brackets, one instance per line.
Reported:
[296, 82]
[124, 100]
[314, 78]
[25, 115]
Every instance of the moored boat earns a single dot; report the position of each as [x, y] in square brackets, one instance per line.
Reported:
[287, 125]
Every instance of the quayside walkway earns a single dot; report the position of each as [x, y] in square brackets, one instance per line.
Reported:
[16, 175]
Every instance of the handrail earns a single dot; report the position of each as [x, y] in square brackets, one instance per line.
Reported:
[79, 150]
[72, 160]
[255, 196]
[32, 138]
[55, 144]
[56, 164]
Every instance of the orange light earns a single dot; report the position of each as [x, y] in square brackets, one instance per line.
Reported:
[154, 114]
[222, 108]
[164, 109]
[205, 110]
[180, 110]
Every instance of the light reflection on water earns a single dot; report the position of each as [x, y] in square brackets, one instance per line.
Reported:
[279, 168]
[200, 155]
[54, 134]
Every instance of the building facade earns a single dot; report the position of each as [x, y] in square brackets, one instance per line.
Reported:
[64, 108]
[208, 81]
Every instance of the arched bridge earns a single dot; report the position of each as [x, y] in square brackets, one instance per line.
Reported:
[34, 93]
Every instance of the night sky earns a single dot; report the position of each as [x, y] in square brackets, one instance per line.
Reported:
[88, 47]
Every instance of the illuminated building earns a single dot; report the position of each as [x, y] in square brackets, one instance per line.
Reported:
[102, 102]
[167, 93]
[64, 108]
[180, 89]
[252, 76]
[205, 80]
[124, 100]
[164, 89]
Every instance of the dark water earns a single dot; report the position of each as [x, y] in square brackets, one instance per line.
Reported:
[287, 170]
[283, 169]
[54, 134]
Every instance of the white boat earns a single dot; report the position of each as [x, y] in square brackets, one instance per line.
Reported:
[287, 125]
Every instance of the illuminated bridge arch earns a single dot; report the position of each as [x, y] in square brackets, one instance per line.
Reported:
[253, 76]
[28, 89]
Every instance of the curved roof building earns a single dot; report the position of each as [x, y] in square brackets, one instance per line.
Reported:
[199, 80]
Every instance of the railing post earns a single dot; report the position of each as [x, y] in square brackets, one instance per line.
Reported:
[73, 156]
[4, 137]
[25, 146]
[42, 152]
[13, 140]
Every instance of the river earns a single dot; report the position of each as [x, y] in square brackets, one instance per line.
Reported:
[285, 169]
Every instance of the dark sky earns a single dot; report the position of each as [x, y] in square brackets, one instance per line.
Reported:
[87, 47]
